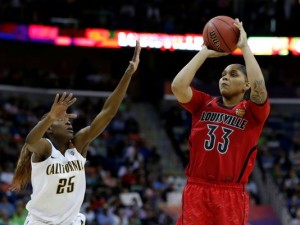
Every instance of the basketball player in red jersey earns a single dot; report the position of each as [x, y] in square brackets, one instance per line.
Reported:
[223, 139]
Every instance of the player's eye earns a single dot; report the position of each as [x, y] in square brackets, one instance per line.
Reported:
[233, 73]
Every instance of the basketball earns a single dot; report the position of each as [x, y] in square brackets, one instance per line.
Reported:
[220, 34]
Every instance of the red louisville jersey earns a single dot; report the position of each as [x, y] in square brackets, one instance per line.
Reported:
[223, 141]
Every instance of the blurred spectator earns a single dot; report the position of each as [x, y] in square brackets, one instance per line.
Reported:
[252, 189]
[296, 220]
[6, 207]
[20, 214]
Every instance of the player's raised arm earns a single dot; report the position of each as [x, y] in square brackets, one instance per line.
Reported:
[182, 81]
[255, 76]
[110, 108]
[34, 141]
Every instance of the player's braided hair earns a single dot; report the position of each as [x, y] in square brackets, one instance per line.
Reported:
[22, 175]
[23, 170]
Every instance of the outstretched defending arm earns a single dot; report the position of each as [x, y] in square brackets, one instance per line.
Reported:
[86, 135]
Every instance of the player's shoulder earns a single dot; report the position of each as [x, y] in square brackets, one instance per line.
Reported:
[265, 104]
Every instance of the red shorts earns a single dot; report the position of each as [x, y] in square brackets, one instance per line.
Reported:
[213, 203]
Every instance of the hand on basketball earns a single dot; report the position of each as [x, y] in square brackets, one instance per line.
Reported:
[243, 35]
[60, 106]
[212, 53]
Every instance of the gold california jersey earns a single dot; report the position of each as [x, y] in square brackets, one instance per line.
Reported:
[58, 187]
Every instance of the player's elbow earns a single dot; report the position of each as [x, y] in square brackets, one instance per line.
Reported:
[174, 87]
[178, 86]
[259, 98]
[181, 92]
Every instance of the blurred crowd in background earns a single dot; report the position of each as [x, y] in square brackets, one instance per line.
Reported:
[45, 66]
[263, 17]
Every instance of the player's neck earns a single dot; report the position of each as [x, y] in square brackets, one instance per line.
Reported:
[231, 102]
[62, 146]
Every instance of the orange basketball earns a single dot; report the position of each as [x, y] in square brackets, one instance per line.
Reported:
[221, 34]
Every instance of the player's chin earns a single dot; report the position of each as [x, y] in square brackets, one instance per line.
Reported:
[70, 135]
[225, 92]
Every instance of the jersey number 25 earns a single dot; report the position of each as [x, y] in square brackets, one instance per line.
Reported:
[65, 185]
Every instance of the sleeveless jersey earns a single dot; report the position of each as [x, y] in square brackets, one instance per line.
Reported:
[58, 187]
[223, 141]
